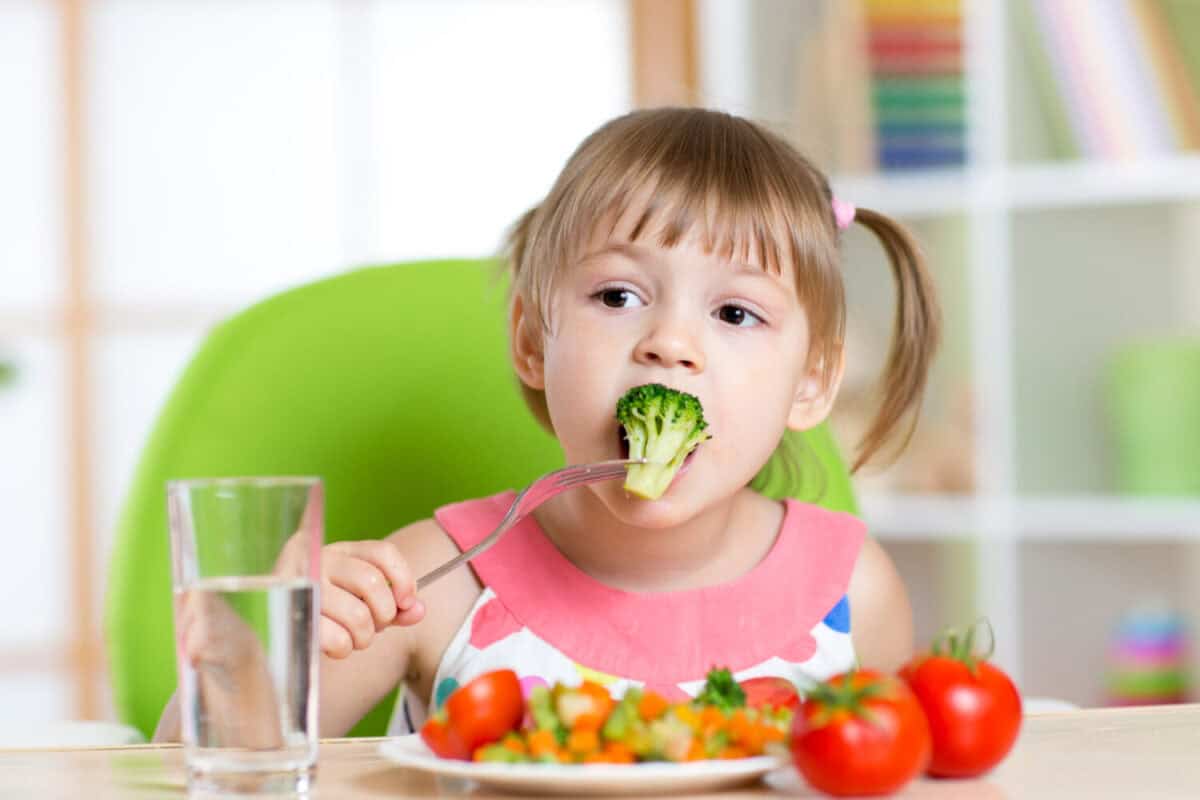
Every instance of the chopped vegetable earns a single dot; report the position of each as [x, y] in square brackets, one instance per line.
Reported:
[771, 692]
[860, 733]
[973, 707]
[583, 724]
[721, 690]
[662, 425]
[477, 714]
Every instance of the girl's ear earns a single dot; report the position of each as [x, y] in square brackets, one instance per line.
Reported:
[814, 397]
[525, 345]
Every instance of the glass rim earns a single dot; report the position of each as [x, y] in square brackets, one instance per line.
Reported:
[263, 481]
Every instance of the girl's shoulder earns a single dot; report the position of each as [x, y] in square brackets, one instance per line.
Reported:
[468, 521]
[812, 525]
[430, 542]
[425, 545]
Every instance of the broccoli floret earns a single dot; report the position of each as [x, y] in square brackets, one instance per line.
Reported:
[662, 426]
[722, 690]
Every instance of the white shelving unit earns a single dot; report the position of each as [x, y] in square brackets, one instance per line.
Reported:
[1045, 517]
[1016, 522]
[940, 192]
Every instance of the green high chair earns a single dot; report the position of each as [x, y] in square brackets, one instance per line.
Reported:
[392, 383]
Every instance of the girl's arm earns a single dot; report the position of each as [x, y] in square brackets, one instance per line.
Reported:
[881, 619]
[354, 680]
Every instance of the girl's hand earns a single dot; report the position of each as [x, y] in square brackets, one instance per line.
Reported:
[366, 587]
[215, 638]
[234, 685]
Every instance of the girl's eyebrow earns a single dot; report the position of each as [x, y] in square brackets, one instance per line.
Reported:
[639, 255]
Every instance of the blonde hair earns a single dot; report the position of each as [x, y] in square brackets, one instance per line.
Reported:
[755, 197]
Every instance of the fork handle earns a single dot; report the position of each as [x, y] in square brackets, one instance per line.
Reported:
[437, 572]
[543, 490]
[466, 555]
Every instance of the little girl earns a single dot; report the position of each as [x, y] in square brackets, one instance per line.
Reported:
[694, 249]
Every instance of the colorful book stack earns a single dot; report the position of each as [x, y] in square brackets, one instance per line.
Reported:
[1117, 79]
[1148, 662]
[915, 49]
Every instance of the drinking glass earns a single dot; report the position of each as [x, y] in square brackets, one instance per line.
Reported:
[245, 556]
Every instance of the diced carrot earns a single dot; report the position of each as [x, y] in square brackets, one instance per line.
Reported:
[618, 753]
[752, 738]
[600, 705]
[651, 706]
[696, 751]
[598, 693]
[732, 752]
[712, 719]
[582, 742]
[542, 742]
[772, 734]
[514, 743]
[739, 725]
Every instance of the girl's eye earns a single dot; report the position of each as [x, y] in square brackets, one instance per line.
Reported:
[618, 298]
[737, 316]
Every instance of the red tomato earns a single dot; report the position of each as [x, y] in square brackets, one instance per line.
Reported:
[974, 712]
[773, 692]
[476, 714]
[860, 733]
[442, 740]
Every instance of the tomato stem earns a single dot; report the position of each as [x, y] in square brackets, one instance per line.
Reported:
[845, 696]
[960, 645]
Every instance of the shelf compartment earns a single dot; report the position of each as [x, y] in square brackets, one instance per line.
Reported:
[1100, 183]
[1080, 517]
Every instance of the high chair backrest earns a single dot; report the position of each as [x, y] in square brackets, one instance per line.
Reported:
[392, 383]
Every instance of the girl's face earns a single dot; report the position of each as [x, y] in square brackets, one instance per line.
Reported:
[730, 333]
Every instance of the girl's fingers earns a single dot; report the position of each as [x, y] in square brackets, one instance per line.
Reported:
[350, 612]
[336, 641]
[365, 581]
[188, 644]
[386, 557]
[412, 615]
[197, 644]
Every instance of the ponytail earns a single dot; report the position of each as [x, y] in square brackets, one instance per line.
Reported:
[915, 337]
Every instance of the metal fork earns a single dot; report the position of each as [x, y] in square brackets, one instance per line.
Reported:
[549, 485]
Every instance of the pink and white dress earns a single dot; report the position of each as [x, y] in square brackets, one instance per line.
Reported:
[548, 621]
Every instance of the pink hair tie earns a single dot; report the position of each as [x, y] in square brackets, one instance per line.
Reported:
[843, 212]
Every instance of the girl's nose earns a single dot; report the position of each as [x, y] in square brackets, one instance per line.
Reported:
[670, 345]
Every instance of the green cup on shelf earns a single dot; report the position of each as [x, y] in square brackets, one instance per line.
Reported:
[1154, 413]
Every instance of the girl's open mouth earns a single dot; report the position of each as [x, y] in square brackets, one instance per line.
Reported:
[623, 443]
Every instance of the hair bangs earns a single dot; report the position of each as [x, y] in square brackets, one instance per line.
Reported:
[666, 178]
[743, 198]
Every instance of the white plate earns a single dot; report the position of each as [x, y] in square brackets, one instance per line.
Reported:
[563, 779]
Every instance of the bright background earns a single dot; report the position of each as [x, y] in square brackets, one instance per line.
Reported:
[232, 149]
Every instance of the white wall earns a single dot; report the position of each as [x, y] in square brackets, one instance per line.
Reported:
[234, 149]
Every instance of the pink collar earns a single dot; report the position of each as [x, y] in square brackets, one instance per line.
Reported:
[665, 638]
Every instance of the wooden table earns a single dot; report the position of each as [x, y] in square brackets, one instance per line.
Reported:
[1139, 754]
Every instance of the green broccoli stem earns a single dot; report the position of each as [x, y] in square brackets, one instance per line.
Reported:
[649, 481]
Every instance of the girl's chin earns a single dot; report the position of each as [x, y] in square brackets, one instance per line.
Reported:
[668, 511]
